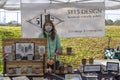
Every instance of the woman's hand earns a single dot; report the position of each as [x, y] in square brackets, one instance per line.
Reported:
[50, 61]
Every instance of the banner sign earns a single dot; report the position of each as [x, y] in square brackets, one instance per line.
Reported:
[70, 19]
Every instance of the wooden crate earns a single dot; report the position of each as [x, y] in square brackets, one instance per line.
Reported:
[35, 67]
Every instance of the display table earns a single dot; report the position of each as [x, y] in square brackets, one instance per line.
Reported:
[100, 76]
[53, 76]
[107, 76]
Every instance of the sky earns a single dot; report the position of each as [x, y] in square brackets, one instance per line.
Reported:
[7, 16]
[16, 15]
[112, 14]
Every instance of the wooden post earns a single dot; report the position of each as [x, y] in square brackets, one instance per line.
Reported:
[55, 63]
[44, 62]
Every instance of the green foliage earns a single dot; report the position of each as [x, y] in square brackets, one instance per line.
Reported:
[90, 47]
[1, 65]
[117, 23]
[13, 23]
[109, 22]
[82, 47]
[10, 32]
[113, 31]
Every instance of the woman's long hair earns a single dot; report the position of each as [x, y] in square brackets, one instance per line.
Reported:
[53, 31]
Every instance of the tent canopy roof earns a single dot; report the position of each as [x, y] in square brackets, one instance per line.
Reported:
[15, 4]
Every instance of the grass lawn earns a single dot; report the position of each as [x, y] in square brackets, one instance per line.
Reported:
[82, 47]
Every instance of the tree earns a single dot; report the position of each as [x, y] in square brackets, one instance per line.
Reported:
[109, 22]
[117, 23]
[12, 23]
[106, 22]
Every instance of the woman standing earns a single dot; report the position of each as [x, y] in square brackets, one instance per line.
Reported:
[53, 43]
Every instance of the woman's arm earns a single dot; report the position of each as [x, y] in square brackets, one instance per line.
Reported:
[58, 43]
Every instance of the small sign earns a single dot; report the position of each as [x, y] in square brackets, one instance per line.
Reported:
[92, 68]
[41, 49]
[112, 66]
[24, 48]
[73, 77]
[8, 49]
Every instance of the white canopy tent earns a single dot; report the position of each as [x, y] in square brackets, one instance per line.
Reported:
[15, 4]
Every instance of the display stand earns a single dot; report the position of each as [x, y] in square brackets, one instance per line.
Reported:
[61, 54]
[24, 56]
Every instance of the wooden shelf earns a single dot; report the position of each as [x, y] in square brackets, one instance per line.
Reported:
[25, 74]
[61, 73]
[25, 61]
[65, 54]
[23, 64]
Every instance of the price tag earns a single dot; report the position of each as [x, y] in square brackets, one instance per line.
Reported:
[92, 68]
[8, 49]
[73, 77]
[113, 66]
